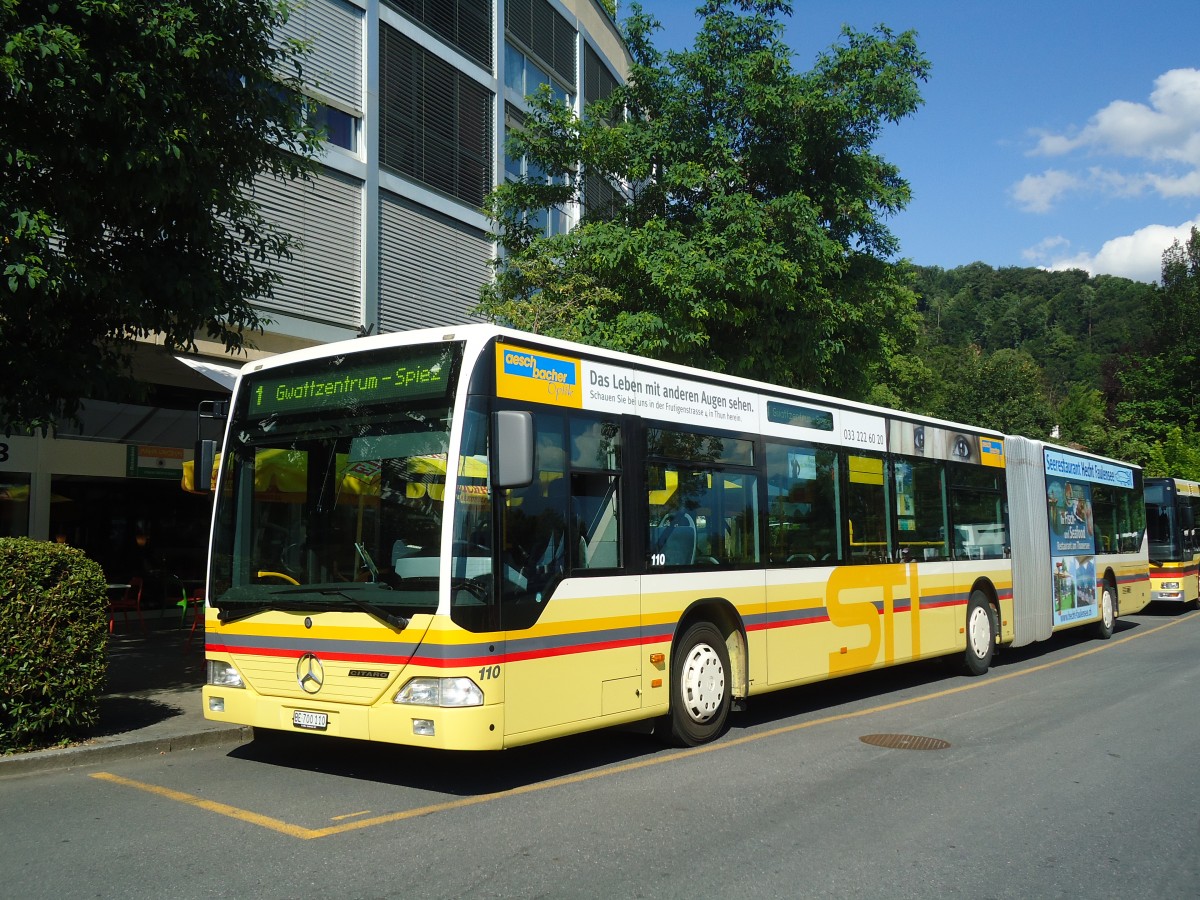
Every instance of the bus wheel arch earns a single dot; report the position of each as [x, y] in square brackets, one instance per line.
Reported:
[708, 669]
[982, 628]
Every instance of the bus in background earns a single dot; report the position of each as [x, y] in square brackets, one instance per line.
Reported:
[1172, 512]
[473, 538]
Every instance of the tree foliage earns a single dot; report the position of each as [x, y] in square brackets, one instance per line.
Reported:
[1157, 397]
[748, 234]
[1099, 362]
[129, 133]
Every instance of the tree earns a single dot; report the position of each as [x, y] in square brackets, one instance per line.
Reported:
[1080, 418]
[1002, 390]
[129, 133]
[748, 230]
[1176, 455]
[1157, 391]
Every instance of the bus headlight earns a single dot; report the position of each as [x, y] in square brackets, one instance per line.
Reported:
[440, 692]
[223, 674]
[1170, 585]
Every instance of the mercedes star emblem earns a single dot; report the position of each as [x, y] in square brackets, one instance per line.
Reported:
[310, 674]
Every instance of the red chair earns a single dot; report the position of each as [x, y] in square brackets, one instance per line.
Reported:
[130, 600]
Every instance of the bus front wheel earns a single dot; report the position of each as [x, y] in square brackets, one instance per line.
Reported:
[700, 688]
[981, 634]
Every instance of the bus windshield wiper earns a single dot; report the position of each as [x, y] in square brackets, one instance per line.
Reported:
[367, 561]
[226, 614]
[232, 614]
[370, 608]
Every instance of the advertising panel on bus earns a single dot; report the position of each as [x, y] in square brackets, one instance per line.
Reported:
[1069, 481]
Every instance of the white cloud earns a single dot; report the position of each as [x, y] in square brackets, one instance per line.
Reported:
[1046, 248]
[1040, 193]
[1137, 256]
[1037, 193]
[1168, 128]
[1161, 137]
[1185, 186]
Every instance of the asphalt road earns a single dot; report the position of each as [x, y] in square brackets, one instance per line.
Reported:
[1071, 770]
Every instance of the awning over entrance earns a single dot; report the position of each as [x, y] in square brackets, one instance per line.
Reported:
[222, 375]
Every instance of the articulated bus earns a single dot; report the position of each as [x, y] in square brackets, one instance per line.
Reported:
[474, 538]
[1172, 514]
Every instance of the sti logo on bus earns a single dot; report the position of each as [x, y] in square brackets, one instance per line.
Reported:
[538, 376]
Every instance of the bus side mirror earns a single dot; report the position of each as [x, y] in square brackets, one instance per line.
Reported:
[512, 433]
[206, 453]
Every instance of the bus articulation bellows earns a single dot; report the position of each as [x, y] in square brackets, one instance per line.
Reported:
[474, 538]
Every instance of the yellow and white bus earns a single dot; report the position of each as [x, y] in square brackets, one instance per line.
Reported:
[1172, 519]
[474, 538]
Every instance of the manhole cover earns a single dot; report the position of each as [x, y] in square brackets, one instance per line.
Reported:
[904, 741]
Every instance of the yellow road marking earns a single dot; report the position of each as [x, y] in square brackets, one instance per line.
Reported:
[361, 812]
[298, 831]
[223, 809]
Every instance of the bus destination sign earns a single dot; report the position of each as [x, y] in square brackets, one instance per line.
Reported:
[418, 378]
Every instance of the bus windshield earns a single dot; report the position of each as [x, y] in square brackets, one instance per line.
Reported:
[1171, 520]
[334, 480]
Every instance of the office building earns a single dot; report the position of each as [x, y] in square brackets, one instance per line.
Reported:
[416, 97]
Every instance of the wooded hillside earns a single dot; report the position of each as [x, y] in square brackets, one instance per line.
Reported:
[1100, 362]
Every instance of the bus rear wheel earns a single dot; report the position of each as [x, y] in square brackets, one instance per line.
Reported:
[1108, 612]
[700, 688]
[982, 631]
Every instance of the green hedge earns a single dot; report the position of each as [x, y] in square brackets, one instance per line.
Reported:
[53, 637]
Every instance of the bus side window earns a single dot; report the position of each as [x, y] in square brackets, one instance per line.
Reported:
[978, 512]
[866, 509]
[535, 548]
[920, 496]
[1187, 524]
[802, 506]
[595, 522]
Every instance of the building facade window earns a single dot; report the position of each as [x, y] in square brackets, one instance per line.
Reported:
[466, 25]
[436, 123]
[340, 127]
[549, 222]
[523, 77]
[598, 81]
[544, 34]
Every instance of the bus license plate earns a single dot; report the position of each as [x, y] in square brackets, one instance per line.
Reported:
[313, 721]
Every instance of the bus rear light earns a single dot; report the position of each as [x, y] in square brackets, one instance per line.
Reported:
[440, 692]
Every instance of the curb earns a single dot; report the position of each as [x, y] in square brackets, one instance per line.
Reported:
[102, 751]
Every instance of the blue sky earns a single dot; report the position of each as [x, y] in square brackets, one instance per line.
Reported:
[1059, 134]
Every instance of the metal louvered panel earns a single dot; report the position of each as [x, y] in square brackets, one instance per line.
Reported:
[543, 31]
[431, 267]
[564, 50]
[436, 125]
[465, 25]
[323, 280]
[1033, 612]
[600, 198]
[518, 20]
[598, 81]
[335, 64]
